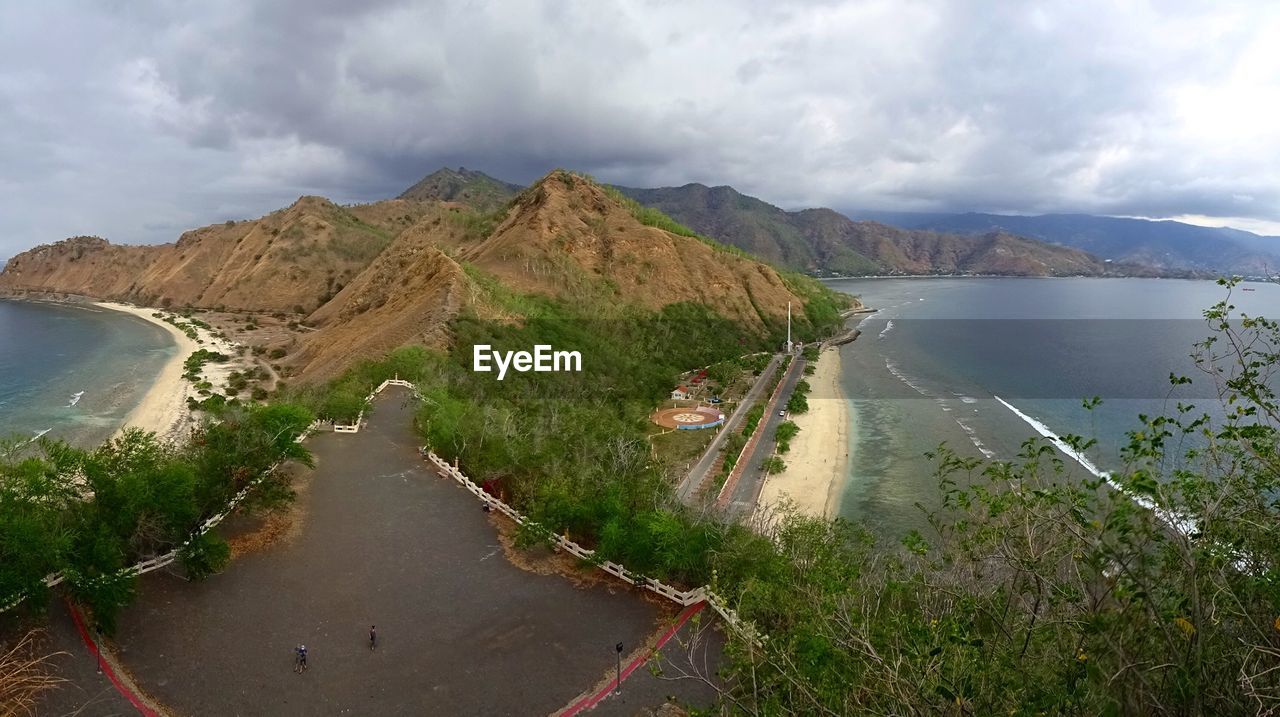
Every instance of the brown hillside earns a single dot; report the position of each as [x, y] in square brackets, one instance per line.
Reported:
[407, 295]
[406, 298]
[290, 260]
[88, 266]
[378, 276]
[464, 186]
[564, 236]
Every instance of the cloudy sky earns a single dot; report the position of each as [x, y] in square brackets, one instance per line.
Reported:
[135, 120]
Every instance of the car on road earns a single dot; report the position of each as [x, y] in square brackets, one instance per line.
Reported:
[782, 413]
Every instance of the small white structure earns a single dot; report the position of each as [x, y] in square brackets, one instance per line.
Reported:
[680, 394]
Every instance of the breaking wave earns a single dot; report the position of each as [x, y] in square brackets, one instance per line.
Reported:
[1181, 523]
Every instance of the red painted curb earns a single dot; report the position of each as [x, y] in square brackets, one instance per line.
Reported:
[134, 698]
[590, 701]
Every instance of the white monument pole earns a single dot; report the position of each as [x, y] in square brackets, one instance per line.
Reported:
[788, 327]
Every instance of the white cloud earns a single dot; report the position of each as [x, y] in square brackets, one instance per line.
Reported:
[129, 121]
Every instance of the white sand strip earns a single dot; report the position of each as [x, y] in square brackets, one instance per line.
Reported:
[819, 455]
[163, 409]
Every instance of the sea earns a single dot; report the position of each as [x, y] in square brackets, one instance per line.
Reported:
[983, 364]
[73, 372]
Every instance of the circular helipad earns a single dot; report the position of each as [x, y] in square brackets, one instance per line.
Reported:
[688, 418]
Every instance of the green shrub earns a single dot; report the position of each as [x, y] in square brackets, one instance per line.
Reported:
[205, 555]
[786, 431]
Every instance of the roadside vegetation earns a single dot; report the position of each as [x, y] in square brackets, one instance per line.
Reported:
[799, 401]
[786, 431]
[734, 444]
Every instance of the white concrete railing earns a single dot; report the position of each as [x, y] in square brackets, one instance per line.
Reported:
[680, 597]
[355, 427]
[683, 598]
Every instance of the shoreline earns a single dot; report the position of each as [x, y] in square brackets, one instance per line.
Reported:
[163, 408]
[818, 461]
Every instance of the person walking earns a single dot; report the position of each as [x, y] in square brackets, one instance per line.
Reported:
[300, 660]
[373, 637]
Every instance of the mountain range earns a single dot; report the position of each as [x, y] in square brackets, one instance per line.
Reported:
[368, 278]
[825, 242]
[1162, 244]
[374, 277]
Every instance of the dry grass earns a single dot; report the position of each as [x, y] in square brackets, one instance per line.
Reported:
[25, 674]
[544, 561]
[283, 525]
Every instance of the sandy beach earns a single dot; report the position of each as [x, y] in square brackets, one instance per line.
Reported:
[163, 409]
[819, 455]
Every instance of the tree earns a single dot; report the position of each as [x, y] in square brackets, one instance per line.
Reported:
[786, 431]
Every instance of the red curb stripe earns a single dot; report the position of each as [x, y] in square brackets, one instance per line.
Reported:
[134, 698]
[591, 701]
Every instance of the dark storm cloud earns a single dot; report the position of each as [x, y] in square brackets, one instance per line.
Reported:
[130, 119]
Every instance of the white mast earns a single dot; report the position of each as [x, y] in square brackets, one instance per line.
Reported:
[788, 327]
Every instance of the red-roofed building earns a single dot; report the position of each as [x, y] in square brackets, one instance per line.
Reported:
[680, 394]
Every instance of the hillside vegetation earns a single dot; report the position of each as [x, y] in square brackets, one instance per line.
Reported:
[87, 514]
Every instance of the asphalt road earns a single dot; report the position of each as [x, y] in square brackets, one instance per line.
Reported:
[693, 483]
[747, 491]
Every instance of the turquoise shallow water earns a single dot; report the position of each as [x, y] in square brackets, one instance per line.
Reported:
[74, 372]
[931, 363]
